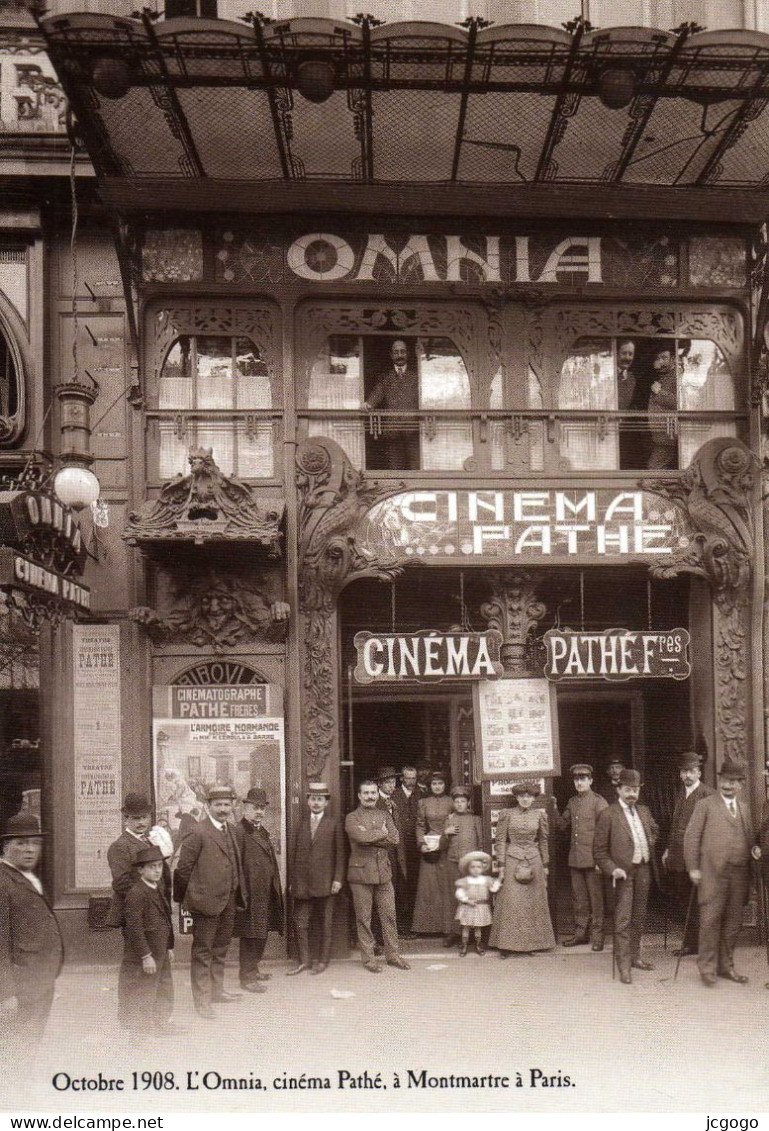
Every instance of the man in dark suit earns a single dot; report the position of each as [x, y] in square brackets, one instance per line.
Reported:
[718, 844]
[387, 781]
[406, 801]
[692, 791]
[145, 986]
[625, 836]
[396, 390]
[209, 882]
[579, 820]
[122, 853]
[262, 892]
[608, 788]
[316, 868]
[31, 950]
[372, 833]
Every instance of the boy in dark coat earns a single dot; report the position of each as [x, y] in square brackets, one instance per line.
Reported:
[145, 986]
[263, 895]
[317, 871]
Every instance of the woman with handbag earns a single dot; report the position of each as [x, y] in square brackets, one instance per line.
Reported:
[521, 915]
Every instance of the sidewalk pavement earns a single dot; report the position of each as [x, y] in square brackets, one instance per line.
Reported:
[576, 1040]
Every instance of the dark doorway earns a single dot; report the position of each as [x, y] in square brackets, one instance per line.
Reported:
[595, 728]
[398, 732]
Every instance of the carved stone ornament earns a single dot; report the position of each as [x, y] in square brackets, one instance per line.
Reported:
[218, 613]
[716, 494]
[514, 611]
[205, 506]
[333, 498]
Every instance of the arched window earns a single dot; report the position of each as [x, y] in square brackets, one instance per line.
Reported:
[11, 392]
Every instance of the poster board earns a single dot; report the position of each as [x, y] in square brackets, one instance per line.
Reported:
[516, 729]
[224, 734]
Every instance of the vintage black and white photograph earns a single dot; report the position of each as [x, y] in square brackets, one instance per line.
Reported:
[384, 399]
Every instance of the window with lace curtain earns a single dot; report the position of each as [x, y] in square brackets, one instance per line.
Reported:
[214, 392]
[643, 402]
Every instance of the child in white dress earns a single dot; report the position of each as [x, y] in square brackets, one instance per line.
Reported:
[473, 891]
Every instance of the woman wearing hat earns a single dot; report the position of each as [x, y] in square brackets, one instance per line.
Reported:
[434, 905]
[521, 916]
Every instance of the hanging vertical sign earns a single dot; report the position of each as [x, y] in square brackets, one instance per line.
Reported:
[97, 746]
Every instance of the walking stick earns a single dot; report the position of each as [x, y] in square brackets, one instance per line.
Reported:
[686, 928]
[761, 893]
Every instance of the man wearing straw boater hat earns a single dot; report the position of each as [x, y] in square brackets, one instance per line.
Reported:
[718, 845]
[625, 836]
[317, 870]
[692, 791]
[209, 882]
[31, 950]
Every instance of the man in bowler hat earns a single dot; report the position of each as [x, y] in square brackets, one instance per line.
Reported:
[317, 870]
[262, 892]
[692, 791]
[718, 845]
[209, 882]
[122, 853]
[625, 836]
[579, 820]
[31, 950]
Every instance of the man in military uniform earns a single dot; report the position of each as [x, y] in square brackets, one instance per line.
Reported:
[579, 820]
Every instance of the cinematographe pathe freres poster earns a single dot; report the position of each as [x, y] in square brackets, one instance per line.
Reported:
[383, 448]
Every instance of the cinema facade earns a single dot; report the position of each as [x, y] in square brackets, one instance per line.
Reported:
[527, 555]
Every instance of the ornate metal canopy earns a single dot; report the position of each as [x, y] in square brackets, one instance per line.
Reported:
[416, 103]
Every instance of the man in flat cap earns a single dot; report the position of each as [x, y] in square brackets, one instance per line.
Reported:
[263, 895]
[122, 853]
[691, 792]
[372, 833]
[209, 882]
[316, 868]
[31, 950]
[625, 836]
[718, 845]
[579, 820]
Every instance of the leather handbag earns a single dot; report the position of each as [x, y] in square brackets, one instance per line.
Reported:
[523, 872]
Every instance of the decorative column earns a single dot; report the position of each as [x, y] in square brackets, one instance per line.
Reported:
[333, 499]
[514, 611]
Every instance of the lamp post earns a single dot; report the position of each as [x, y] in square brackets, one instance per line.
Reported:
[75, 484]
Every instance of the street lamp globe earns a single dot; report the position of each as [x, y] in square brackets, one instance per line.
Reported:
[76, 487]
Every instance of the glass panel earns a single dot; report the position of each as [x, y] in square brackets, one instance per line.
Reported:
[216, 387]
[443, 383]
[175, 388]
[705, 384]
[218, 435]
[588, 383]
[336, 379]
[253, 380]
[172, 452]
[349, 434]
[446, 444]
[255, 452]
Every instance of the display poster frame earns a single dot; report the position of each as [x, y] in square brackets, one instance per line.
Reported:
[514, 712]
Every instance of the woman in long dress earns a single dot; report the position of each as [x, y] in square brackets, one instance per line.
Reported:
[521, 915]
[434, 905]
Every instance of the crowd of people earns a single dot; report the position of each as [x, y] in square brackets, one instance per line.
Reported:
[412, 855]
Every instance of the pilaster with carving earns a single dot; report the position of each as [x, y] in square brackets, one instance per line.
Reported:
[716, 492]
[333, 498]
[514, 611]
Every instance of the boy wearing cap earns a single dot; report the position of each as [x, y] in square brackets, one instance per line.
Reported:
[625, 836]
[316, 868]
[31, 950]
[579, 820]
[718, 845]
[691, 792]
[145, 987]
[262, 892]
[209, 881]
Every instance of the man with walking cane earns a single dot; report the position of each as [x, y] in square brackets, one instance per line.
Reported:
[625, 836]
[692, 791]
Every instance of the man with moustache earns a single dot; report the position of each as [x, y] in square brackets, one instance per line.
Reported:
[209, 882]
[397, 390]
[406, 801]
[316, 868]
[122, 853]
[31, 949]
[625, 836]
[692, 791]
[387, 781]
[718, 845]
[262, 893]
[372, 834]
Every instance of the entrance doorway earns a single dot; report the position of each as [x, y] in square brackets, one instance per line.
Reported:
[596, 726]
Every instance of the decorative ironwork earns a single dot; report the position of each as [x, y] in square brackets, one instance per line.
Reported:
[205, 506]
[229, 320]
[514, 611]
[333, 498]
[37, 609]
[217, 612]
